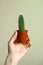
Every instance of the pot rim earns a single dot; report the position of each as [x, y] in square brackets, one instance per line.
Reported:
[22, 30]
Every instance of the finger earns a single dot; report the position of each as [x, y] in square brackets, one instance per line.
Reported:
[28, 42]
[28, 37]
[13, 38]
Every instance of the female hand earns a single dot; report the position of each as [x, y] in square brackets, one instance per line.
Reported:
[17, 50]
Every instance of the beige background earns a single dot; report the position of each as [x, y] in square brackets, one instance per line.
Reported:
[33, 15]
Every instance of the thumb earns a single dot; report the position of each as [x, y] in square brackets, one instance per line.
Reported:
[11, 46]
[13, 38]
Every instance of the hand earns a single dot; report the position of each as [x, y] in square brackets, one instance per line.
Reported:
[17, 50]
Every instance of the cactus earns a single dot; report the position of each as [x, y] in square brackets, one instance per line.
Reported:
[21, 23]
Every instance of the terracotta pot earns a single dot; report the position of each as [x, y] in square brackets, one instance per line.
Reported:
[22, 35]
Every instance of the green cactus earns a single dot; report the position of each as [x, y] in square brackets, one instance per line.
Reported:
[21, 23]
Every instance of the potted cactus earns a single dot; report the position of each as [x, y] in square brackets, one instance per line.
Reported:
[22, 33]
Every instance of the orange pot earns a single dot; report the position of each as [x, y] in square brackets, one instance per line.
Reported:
[22, 35]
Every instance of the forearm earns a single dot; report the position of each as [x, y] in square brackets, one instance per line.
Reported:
[10, 60]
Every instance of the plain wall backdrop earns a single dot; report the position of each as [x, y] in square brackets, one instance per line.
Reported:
[32, 11]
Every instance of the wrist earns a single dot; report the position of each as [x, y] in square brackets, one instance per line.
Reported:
[10, 60]
[14, 61]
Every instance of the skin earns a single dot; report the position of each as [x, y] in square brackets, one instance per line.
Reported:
[16, 51]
